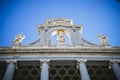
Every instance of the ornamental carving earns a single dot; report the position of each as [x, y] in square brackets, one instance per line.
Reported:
[60, 37]
[58, 22]
[19, 38]
[103, 39]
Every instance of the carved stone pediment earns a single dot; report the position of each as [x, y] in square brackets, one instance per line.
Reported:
[61, 32]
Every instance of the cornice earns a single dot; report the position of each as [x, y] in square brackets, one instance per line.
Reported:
[59, 49]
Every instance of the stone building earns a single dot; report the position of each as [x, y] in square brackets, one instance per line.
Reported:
[60, 53]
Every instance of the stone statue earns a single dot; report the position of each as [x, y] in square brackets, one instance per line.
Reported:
[103, 39]
[19, 38]
[60, 37]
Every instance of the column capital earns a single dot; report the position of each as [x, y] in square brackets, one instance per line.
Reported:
[112, 61]
[81, 61]
[11, 61]
[42, 61]
[45, 60]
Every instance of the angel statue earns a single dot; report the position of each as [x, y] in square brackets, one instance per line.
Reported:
[19, 38]
[103, 39]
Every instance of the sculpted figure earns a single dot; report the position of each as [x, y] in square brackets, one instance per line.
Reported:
[60, 38]
[19, 38]
[103, 39]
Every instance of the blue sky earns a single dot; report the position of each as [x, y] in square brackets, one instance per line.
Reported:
[96, 16]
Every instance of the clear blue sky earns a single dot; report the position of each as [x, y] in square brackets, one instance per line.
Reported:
[96, 16]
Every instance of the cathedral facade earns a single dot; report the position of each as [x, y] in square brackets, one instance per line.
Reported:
[60, 53]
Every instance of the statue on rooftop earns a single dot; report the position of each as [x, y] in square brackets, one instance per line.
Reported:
[103, 39]
[19, 38]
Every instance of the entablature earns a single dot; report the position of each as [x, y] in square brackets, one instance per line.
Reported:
[60, 49]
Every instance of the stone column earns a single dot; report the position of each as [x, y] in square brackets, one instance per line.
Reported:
[10, 70]
[83, 70]
[44, 69]
[116, 68]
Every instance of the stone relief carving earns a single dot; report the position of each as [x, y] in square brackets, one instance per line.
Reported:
[60, 37]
